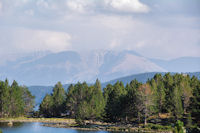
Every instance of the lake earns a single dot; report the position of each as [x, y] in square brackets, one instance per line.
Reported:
[36, 127]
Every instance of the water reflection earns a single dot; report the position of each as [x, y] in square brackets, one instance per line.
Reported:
[38, 128]
[82, 131]
[15, 124]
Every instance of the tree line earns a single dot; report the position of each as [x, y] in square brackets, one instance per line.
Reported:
[162, 99]
[15, 100]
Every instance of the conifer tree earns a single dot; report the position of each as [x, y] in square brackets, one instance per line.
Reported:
[4, 98]
[177, 103]
[114, 104]
[131, 101]
[168, 83]
[97, 102]
[17, 102]
[58, 98]
[195, 103]
[46, 107]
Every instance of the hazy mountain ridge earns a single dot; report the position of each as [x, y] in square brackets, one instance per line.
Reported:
[71, 66]
[183, 64]
[143, 77]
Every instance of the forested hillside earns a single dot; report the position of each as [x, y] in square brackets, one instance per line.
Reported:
[40, 91]
[143, 77]
[162, 100]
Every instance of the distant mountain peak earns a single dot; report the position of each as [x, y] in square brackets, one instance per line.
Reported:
[72, 66]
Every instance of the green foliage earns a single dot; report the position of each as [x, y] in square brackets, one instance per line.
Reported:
[1, 131]
[15, 100]
[189, 120]
[85, 102]
[168, 83]
[157, 127]
[193, 129]
[130, 101]
[165, 98]
[46, 106]
[5, 98]
[58, 98]
[168, 98]
[179, 127]
[114, 103]
[54, 105]
[79, 121]
[195, 100]
[177, 105]
[158, 87]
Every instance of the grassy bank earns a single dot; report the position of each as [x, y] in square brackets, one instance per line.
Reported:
[43, 120]
[70, 123]
[114, 127]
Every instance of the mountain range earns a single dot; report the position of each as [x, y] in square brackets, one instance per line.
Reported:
[71, 66]
[40, 71]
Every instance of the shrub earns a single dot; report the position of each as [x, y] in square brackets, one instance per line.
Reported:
[179, 127]
[193, 129]
[79, 121]
[158, 127]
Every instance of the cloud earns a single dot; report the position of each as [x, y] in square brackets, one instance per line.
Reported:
[132, 6]
[42, 3]
[29, 12]
[63, 7]
[75, 6]
[21, 40]
[1, 6]
[80, 6]
[151, 39]
[49, 25]
[129, 6]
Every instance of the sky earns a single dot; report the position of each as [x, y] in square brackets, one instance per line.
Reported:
[164, 29]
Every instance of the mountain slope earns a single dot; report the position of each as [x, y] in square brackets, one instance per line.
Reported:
[183, 64]
[143, 77]
[71, 67]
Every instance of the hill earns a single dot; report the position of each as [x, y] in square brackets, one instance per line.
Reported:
[143, 77]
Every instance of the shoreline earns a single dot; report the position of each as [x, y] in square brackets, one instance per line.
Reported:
[91, 126]
[112, 128]
[42, 120]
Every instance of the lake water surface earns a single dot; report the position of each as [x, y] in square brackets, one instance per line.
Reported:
[38, 128]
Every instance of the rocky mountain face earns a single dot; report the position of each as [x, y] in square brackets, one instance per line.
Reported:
[71, 67]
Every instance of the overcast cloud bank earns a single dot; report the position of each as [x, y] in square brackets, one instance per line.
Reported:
[158, 29]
